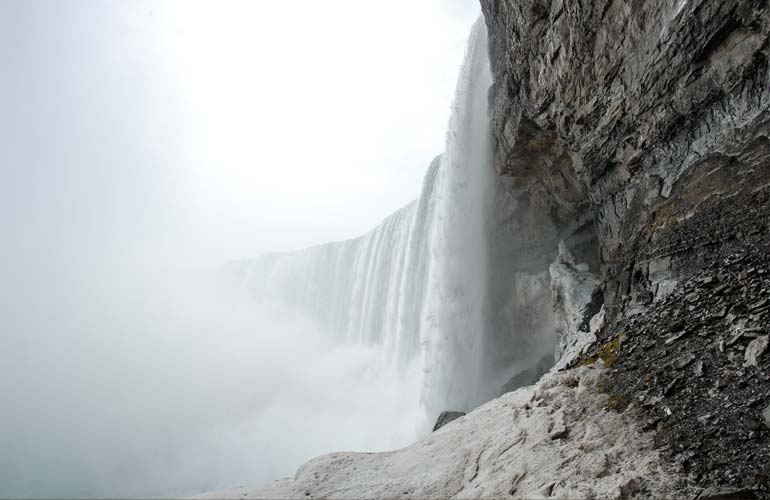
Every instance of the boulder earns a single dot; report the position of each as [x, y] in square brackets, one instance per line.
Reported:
[446, 417]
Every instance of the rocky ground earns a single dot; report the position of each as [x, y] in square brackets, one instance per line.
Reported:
[556, 439]
[696, 361]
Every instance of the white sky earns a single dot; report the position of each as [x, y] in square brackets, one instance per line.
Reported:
[195, 132]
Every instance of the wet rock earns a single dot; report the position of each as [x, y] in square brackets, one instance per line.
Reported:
[446, 417]
[727, 494]
[719, 314]
[755, 349]
[698, 368]
[671, 386]
[529, 376]
[673, 338]
[573, 288]
[677, 325]
[736, 337]
[685, 361]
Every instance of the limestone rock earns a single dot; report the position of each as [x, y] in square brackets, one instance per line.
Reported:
[755, 349]
[572, 287]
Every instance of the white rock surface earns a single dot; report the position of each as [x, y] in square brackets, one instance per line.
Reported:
[754, 350]
[571, 286]
[553, 439]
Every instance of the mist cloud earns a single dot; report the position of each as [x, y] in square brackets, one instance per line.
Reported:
[164, 389]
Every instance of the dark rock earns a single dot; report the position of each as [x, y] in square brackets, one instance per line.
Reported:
[752, 424]
[685, 361]
[528, 377]
[727, 494]
[720, 314]
[670, 387]
[446, 417]
[675, 337]
[735, 338]
[677, 325]
[754, 350]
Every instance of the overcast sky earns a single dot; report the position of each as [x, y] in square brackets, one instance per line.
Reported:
[190, 133]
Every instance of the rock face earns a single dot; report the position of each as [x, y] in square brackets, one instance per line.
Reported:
[446, 417]
[629, 113]
[637, 132]
[554, 439]
[528, 377]
[575, 301]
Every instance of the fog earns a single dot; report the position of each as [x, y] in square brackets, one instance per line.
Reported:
[145, 144]
[157, 387]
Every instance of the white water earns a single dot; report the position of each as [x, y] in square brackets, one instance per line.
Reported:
[416, 285]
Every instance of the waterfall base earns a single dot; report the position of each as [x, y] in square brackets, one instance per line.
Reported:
[552, 439]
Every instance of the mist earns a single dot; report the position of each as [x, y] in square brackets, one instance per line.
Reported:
[158, 386]
[143, 146]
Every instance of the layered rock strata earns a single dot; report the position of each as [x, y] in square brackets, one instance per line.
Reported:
[642, 128]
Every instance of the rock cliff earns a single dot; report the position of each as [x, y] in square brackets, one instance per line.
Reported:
[637, 132]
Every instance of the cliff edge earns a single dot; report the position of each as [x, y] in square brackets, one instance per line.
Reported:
[641, 130]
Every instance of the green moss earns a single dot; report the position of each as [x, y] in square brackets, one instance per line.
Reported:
[608, 353]
[611, 350]
[618, 403]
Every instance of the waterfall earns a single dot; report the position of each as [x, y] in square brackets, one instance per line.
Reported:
[365, 290]
[416, 285]
[454, 317]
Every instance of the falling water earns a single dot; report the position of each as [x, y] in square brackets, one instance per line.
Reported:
[454, 317]
[416, 285]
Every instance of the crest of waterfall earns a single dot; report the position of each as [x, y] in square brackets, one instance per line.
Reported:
[417, 284]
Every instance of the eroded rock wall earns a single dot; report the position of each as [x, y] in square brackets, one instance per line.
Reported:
[640, 129]
[600, 108]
